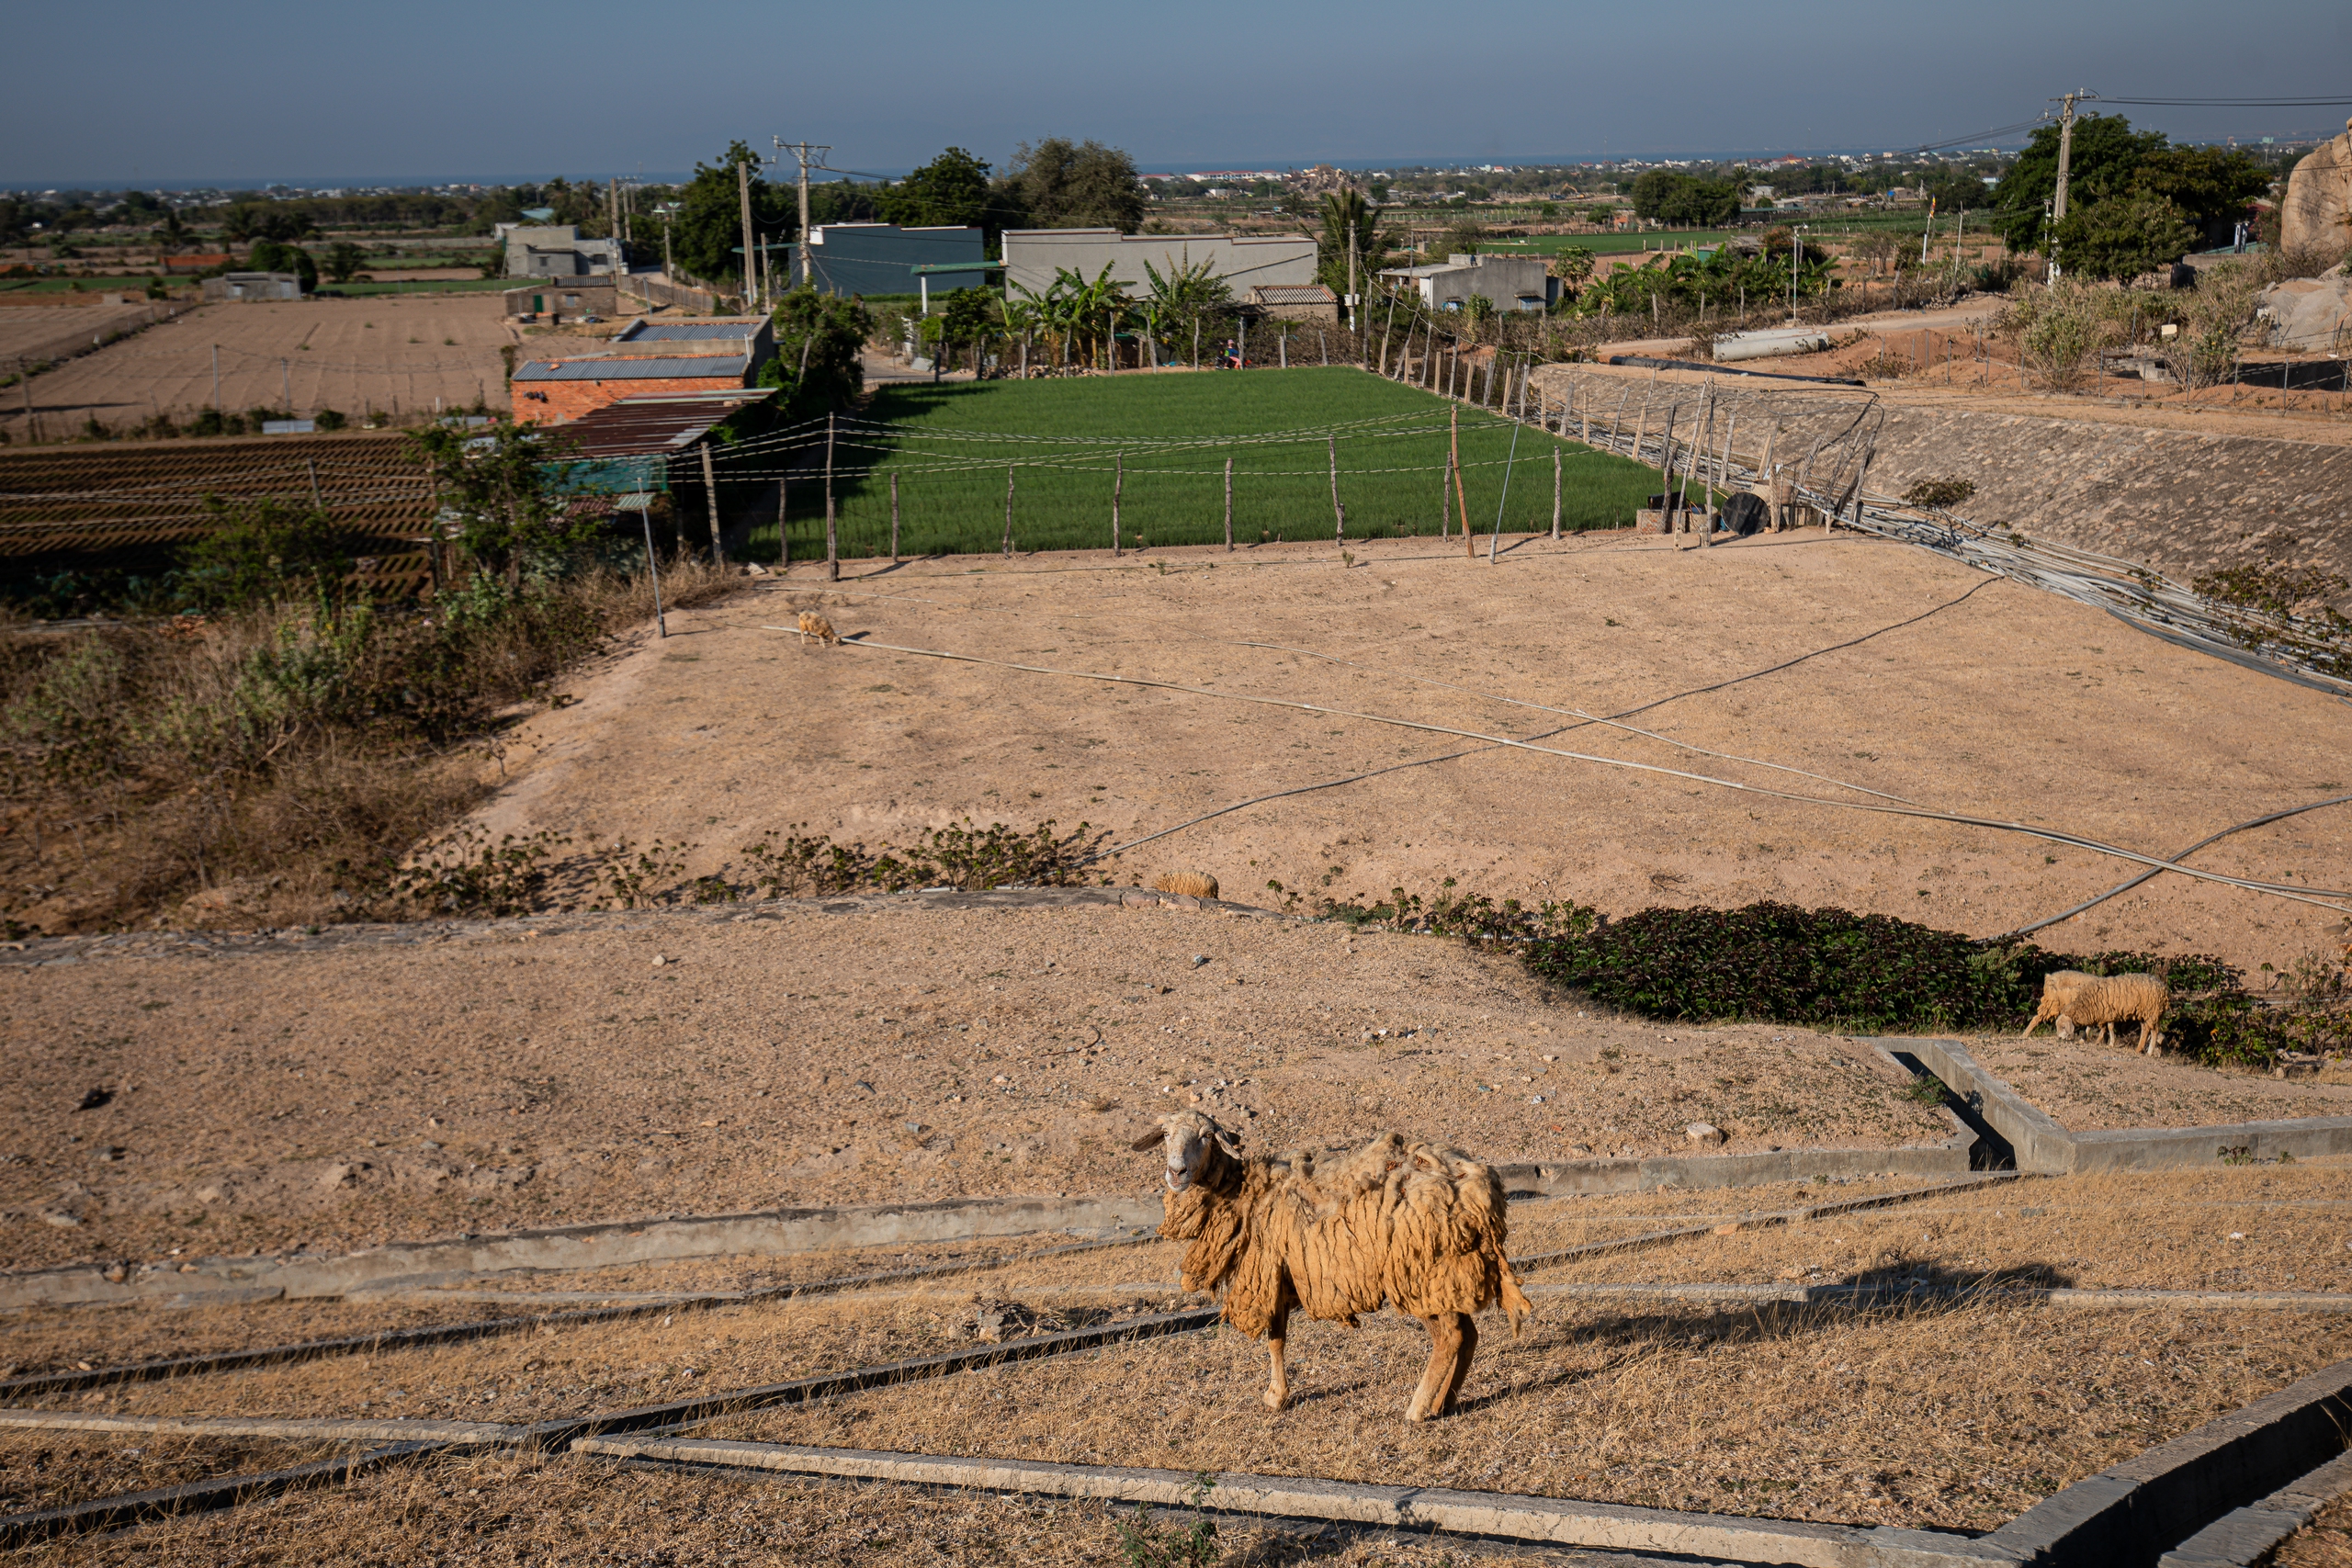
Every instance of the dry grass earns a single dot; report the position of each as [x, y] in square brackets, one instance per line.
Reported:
[154, 776]
[571, 1371]
[2254, 1228]
[509, 1510]
[2085, 1085]
[2325, 1542]
[59, 1338]
[50, 1469]
[1882, 1418]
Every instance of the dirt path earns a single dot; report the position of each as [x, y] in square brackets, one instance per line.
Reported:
[2004, 704]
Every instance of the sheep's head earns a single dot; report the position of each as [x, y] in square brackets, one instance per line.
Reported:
[1188, 1136]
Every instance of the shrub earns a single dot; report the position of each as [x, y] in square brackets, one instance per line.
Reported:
[1939, 493]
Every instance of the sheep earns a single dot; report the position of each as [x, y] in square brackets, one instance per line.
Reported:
[2111, 999]
[1345, 1233]
[815, 625]
[2057, 987]
[1199, 884]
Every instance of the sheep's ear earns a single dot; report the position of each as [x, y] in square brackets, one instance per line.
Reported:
[1153, 1137]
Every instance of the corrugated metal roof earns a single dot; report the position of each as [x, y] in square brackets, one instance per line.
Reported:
[689, 332]
[649, 425]
[650, 368]
[1293, 294]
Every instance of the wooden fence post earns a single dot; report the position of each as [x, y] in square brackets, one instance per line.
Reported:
[1556, 486]
[1461, 495]
[1118, 482]
[782, 529]
[1339, 513]
[1228, 506]
[833, 535]
[1008, 511]
[894, 517]
[710, 494]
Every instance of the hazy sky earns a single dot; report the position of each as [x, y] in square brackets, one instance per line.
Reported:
[153, 92]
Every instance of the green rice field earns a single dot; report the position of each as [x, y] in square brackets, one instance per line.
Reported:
[1162, 442]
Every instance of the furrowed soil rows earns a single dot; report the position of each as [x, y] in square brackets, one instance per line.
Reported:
[96, 506]
[390, 355]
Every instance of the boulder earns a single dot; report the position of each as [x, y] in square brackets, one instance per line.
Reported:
[2318, 205]
[2311, 314]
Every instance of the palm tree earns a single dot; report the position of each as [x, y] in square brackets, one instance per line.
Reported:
[1347, 215]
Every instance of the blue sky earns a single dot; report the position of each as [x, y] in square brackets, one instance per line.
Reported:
[152, 94]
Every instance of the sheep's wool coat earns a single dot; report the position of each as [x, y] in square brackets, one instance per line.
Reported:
[1340, 1234]
[2117, 998]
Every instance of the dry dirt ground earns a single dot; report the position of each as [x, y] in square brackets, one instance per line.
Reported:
[1868, 665]
[2088, 1086]
[530, 1511]
[377, 1090]
[1813, 1412]
[388, 353]
[40, 331]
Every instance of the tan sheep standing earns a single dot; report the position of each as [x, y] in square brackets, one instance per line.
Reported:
[1340, 1236]
[1198, 884]
[2057, 987]
[2111, 999]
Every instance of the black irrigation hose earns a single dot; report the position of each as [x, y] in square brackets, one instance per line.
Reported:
[1543, 734]
[1957, 818]
[489, 1328]
[2154, 870]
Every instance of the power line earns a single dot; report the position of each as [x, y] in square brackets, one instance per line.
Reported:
[2228, 103]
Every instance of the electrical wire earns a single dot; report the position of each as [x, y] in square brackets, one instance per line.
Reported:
[2049, 835]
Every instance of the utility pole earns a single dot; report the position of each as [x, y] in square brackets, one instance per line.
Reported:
[1352, 272]
[750, 245]
[2065, 153]
[808, 154]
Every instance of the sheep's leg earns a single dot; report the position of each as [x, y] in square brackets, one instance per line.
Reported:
[1278, 1386]
[2035, 1021]
[1462, 1359]
[1445, 1344]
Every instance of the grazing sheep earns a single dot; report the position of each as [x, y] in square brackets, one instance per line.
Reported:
[2057, 987]
[2111, 999]
[1341, 1234]
[815, 625]
[1199, 884]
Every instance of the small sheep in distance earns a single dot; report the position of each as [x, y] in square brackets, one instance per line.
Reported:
[1198, 884]
[815, 625]
[1340, 1236]
[2111, 999]
[2058, 987]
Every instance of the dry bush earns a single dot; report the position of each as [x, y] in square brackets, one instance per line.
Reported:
[242, 759]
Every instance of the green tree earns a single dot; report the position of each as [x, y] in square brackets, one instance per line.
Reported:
[953, 188]
[818, 340]
[1060, 185]
[969, 316]
[1664, 196]
[504, 494]
[2119, 237]
[2213, 187]
[706, 233]
[345, 260]
[261, 552]
[2106, 153]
